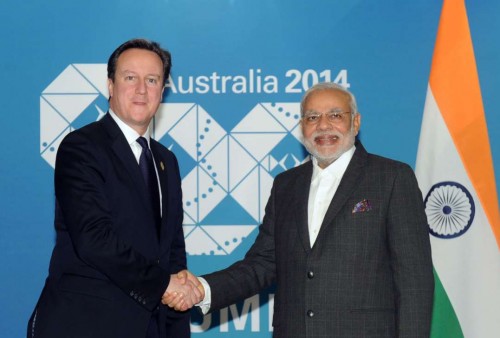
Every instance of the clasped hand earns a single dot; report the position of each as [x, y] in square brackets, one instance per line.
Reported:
[183, 291]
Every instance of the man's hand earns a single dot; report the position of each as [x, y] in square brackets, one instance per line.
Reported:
[186, 275]
[183, 291]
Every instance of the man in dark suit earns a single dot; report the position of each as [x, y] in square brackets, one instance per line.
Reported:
[344, 238]
[119, 237]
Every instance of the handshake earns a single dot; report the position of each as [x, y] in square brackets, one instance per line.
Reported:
[183, 292]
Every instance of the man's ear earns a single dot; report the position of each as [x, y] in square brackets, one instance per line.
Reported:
[110, 87]
[356, 123]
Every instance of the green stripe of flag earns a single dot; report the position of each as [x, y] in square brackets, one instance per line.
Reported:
[445, 323]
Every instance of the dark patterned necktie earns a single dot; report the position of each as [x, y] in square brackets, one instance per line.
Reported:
[147, 166]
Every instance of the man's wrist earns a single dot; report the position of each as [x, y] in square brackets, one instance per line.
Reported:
[204, 305]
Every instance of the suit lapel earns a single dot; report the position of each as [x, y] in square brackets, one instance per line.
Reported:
[301, 193]
[123, 153]
[347, 185]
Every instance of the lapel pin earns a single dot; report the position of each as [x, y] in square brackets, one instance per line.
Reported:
[162, 166]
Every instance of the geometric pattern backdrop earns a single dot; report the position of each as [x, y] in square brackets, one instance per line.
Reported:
[224, 170]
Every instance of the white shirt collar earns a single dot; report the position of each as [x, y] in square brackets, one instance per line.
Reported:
[130, 134]
[336, 168]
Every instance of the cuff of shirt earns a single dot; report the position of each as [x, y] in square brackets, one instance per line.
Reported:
[204, 305]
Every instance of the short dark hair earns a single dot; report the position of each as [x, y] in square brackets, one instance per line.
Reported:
[164, 55]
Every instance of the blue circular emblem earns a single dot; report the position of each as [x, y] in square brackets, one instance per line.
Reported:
[450, 210]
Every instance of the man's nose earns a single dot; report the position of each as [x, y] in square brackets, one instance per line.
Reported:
[141, 87]
[324, 123]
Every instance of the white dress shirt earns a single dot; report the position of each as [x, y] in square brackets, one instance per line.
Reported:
[324, 184]
[131, 135]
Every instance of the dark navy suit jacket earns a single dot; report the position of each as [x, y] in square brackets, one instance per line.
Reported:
[109, 268]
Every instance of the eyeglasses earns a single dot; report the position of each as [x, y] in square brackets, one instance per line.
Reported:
[334, 116]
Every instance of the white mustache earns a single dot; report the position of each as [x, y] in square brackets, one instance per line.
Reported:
[327, 134]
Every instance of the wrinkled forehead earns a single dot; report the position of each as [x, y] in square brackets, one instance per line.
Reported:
[327, 99]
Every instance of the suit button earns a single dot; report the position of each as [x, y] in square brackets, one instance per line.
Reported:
[310, 313]
[158, 261]
[310, 274]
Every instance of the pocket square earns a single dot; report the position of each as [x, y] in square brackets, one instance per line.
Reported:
[362, 206]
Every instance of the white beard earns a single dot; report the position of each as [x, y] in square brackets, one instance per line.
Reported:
[345, 143]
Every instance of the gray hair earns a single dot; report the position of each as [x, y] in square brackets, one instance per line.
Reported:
[330, 86]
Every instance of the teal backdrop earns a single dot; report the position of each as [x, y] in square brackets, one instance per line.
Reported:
[230, 114]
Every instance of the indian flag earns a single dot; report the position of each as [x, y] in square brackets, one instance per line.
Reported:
[455, 173]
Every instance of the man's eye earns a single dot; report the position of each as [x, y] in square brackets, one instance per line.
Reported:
[312, 118]
[152, 81]
[129, 77]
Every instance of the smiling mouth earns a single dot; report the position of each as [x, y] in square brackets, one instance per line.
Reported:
[326, 139]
